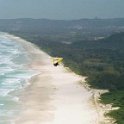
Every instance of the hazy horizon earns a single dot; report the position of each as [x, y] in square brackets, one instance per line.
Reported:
[61, 9]
[59, 19]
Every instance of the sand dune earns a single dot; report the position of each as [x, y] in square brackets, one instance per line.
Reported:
[56, 95]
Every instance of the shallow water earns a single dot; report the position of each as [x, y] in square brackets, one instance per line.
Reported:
[13, 75]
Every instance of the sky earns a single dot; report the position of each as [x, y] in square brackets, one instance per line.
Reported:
[61, 9]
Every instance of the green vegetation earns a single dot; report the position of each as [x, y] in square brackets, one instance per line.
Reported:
[102, 61]
[117, 99]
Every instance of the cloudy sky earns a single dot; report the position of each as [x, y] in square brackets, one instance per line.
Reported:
[61, 9]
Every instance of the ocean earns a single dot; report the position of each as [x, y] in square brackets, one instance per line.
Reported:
[14, 74]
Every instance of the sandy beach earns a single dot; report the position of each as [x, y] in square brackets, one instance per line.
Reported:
[56, 95]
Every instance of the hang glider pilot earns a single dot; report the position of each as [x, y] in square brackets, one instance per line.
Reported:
[56, 60]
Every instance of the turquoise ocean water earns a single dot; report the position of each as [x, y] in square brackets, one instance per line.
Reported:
[13, 76]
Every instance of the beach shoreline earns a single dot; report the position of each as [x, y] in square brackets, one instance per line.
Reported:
[56, 94]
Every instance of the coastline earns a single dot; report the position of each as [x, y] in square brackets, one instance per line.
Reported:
[43, 100]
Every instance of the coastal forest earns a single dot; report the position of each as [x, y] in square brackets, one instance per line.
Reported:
[90, 47]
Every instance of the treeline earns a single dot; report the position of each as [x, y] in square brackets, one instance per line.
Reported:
[84, 28]
[101, 60]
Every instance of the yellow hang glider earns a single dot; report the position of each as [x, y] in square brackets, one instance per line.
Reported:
[56, 60]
